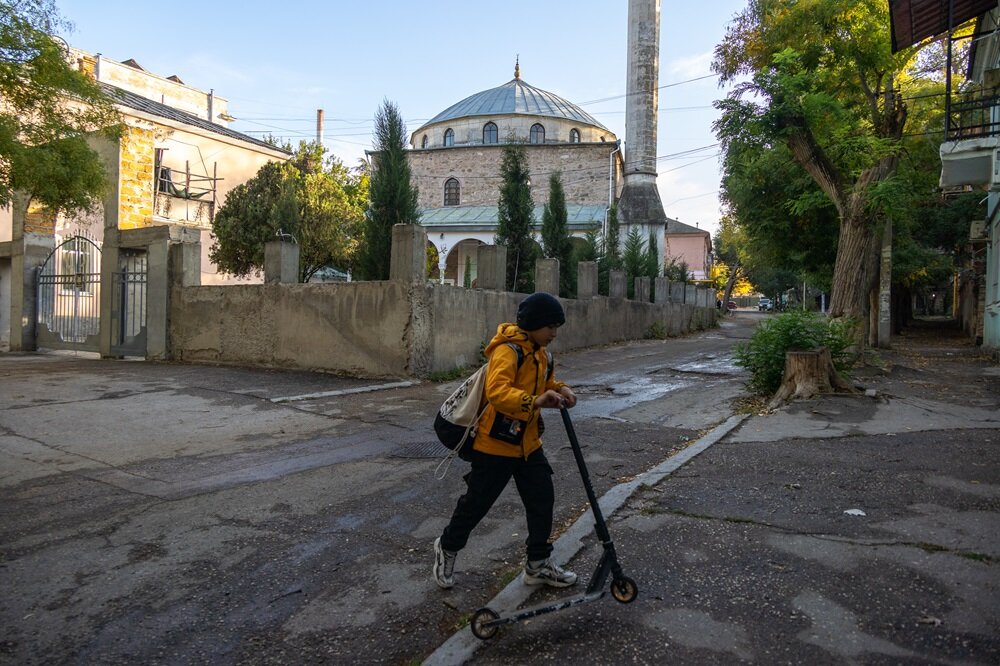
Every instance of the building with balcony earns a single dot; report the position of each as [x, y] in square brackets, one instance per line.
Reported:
[970, 153]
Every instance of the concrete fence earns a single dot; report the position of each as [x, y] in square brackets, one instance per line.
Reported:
[398, 327]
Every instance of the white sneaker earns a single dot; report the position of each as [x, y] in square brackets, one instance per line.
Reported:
[548, 573]
[444, 565]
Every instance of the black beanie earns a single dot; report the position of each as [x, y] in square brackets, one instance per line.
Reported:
[538, 311]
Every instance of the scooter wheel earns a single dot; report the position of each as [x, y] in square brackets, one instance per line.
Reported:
[482, 616]
[624, 589]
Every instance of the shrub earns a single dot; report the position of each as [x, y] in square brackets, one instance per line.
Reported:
[656, 331]
[797, 330]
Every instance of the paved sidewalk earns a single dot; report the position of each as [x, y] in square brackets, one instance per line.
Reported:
[847, 529]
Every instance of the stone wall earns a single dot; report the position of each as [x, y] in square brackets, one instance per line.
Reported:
[389, 328]
[584, 168]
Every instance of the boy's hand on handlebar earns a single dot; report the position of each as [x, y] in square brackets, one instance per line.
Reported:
[564, 397]
[549, 399]
[569, 398]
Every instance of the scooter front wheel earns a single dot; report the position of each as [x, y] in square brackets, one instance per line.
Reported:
[624, 589]
[482, 616]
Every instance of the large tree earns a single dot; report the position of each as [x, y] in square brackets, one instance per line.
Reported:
[556, 243]
[823, 86]
[312, 198]
[392, 192]
[516, 217]
[48, 110]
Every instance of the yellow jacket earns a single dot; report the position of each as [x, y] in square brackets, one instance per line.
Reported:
[509, 426]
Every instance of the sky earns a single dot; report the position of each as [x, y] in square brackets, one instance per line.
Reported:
[277, 63]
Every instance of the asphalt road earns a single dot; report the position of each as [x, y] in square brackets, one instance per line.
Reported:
[159, 513]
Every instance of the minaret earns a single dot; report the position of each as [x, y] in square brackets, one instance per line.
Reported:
[640, 200]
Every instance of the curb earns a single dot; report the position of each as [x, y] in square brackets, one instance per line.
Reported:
[462, 645]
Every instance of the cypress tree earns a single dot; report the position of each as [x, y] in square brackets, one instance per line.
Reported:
[515, 218]
[392, 195]
[556, 243]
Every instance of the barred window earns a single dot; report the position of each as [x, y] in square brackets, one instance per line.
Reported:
[537, 134]
[574, 135]
[423, 142]
[451, 192]
[449, 137]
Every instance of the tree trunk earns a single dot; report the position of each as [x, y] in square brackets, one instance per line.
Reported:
[807, 374]
[851, 280]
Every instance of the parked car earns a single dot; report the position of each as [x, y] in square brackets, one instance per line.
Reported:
[765, 305]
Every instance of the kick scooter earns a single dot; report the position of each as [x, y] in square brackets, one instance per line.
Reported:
[487, 621]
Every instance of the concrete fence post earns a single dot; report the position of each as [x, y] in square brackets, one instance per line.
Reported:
[547, 275]
[690, 294]
[408, 256]
[661, 289]
[586, 280]
[616, 284]
[281, 262]
[676, 292]
[491, 263]
[641, 290]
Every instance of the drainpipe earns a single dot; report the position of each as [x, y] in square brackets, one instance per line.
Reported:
[611, 192]
[211, 105]
[97, 67]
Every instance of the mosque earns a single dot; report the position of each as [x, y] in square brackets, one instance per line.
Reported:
[455, 162]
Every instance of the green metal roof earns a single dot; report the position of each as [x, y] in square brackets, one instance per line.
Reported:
[578, 215]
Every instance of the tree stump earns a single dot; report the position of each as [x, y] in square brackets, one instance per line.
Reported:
[808, 374]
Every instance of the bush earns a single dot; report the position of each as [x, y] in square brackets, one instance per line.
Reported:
[764, 354]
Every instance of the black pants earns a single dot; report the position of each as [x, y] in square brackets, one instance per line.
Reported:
[484, 483]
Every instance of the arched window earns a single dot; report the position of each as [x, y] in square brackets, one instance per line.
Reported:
[574, 135]
[451, 192]
[449, 137]
[423, 142]
[490, 133]
[537, 134]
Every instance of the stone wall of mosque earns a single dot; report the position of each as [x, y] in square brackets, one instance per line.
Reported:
[585, 170]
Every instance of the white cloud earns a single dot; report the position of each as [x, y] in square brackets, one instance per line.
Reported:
[690, 67]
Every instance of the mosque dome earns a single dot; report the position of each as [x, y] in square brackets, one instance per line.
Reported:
[462, 122]
[515, 97]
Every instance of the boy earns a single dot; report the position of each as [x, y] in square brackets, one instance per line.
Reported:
[507, 443]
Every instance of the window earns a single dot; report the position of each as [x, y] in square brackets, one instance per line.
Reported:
[574, 135]
[537, 134]
[451, 192]
[423, 142]
[449, 137]
[490, 133]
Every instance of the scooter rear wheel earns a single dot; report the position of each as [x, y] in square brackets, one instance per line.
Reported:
[624, 589]
[482, 616]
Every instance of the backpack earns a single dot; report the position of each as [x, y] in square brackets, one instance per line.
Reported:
[456, 420]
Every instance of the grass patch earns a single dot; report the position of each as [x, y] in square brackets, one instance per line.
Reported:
[448, 375]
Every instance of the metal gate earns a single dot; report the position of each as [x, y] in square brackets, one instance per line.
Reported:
[69, 296]
[129, 304]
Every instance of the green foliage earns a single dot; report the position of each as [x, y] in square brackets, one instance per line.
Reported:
[811, 132]
[467, 276]
[515, 217]
[392, 195]
[610, 259]
[48, 114]
[447, 375]
[797, 330]
[556, 243]
[634, 258]
[656, 331]
[677, 271]
[313, 198]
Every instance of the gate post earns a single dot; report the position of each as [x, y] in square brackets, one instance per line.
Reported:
[157, 298]
[28, 252]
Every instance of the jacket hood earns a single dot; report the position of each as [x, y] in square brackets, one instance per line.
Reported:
[509, 333]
